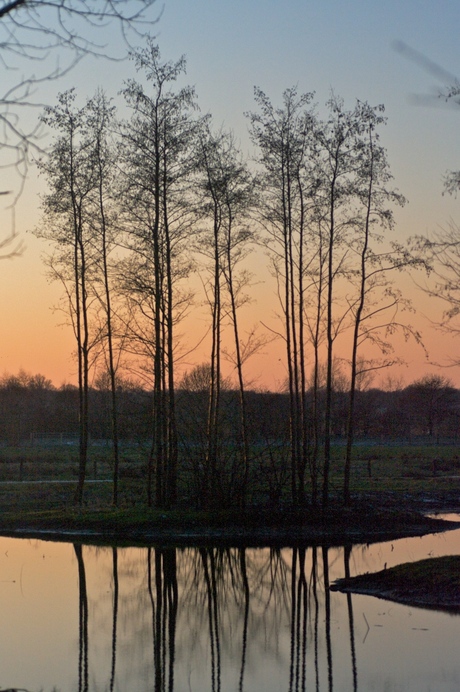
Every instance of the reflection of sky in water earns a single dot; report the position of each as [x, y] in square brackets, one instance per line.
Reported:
[395, 647]
[373, 557]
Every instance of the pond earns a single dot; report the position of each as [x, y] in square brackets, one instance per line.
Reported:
[86, 618]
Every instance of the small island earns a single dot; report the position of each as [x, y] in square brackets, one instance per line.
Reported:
[430, 583]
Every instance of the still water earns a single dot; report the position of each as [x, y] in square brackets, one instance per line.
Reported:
[90, 619]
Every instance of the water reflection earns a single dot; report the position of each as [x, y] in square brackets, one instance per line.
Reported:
[215, 619]
[346, 557]
[115, 616]
[162, 588]
[82, 622]
[233, 607]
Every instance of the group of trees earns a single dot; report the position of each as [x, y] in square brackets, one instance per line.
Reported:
[326, 207]
[40, 42]
[135, 206]
[32, 408]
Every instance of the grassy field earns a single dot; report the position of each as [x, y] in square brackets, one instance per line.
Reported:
[376, 469]
[401, 467]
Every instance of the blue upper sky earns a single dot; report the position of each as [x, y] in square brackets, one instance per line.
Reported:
[342, 45]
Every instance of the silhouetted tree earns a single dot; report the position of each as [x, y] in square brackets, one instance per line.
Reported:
[377, 302]
[226, 193]
[157, 147]
[431, 400]
[42, 41]
[284, 137]
[71, 173]
[99, 116]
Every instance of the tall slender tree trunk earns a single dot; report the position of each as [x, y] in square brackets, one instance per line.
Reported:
[356, 329]
[330, 341]
[239, 369]
[214, 393]
[108, 310]
[157, 453]
[289, 349]
[304, 450]
[315, 386]
[171, 443]
[294, 321]
[83, 439]
[82, 331]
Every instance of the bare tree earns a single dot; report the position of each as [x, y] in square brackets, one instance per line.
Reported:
[326, 203]
[42, 40]
[440, 251]
[226, 194]
[355, 210]
[431, 401]
[375, 303]
[98, 121]
[339, 150]
[441, 254]
[157, 145]
[285, 140]
[68, 223]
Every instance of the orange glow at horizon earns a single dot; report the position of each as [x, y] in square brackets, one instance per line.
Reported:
[35, 340]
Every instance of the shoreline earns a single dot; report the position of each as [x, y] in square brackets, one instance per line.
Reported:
[129, 528]
[431, 583]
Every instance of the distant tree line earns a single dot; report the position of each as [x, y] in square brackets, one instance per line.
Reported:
[31, 409]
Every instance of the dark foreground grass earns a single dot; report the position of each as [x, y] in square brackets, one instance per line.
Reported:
[433, 583]
[48, 510]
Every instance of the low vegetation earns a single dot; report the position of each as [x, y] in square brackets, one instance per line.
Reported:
[37, 493]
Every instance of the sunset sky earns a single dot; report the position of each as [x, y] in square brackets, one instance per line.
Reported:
[347, 46]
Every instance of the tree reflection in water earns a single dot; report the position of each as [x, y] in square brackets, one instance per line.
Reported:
[209, 571]
[327, 605]
[163, 601]
[209, 617]
[246, 596]
[115, 616]
[346, 555]
[83, 622]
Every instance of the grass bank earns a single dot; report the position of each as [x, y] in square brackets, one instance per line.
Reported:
[392, 487]
[433, 583]
[47, 510]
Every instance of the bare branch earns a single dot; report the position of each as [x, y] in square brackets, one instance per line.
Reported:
[35, 31]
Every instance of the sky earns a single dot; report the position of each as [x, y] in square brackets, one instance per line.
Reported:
[344, 46]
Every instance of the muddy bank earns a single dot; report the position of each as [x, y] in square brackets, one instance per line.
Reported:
[363, 522]
[430, 583]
